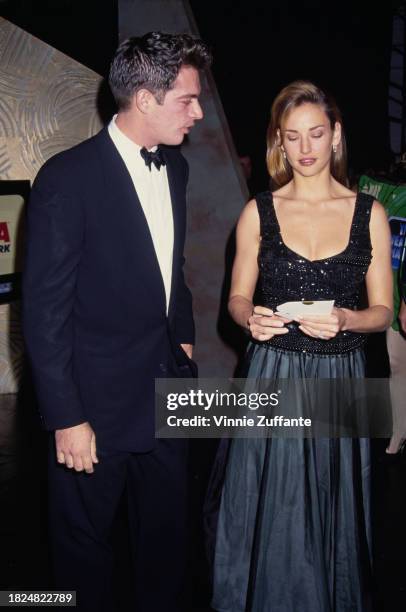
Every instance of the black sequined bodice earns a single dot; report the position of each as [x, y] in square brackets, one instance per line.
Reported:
[286, 276]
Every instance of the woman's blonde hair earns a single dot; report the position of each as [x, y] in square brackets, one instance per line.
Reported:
[292, 96]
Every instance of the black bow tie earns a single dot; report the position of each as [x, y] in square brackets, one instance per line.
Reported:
[152, 157]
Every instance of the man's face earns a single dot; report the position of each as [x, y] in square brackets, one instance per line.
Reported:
[169, 121]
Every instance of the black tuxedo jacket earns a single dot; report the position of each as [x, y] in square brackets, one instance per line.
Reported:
[94, 310]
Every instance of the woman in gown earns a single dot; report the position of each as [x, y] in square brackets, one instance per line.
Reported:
[293, 529]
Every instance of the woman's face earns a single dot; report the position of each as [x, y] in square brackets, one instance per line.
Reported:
[308, 140]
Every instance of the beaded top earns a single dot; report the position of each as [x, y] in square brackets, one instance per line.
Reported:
[286, 276]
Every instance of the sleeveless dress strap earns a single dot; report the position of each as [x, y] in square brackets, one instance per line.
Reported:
[267, 217]
[362, 215]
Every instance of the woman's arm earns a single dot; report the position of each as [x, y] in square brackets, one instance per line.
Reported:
[258, 320]
[379, 280]
[378, 315]
[245, 267]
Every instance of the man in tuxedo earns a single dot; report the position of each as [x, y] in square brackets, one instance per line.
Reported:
[106, 311]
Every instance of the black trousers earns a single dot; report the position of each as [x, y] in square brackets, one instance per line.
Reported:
[82, 512]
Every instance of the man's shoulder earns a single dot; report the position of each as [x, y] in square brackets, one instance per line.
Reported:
[76, 161]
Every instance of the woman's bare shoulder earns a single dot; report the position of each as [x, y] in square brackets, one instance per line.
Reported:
[249, 218]
[347, 193]
[251, 206]
[378, 213]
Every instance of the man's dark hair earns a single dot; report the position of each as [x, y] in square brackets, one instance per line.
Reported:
[153, 62]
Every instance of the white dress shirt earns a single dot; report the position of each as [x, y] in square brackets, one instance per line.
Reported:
[152, 188]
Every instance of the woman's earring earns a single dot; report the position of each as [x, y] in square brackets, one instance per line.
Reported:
[334, 148]
[283, 153]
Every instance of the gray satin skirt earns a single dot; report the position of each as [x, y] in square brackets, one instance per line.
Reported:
[293, 530]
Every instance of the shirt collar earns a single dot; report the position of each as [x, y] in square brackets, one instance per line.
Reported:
[122, 140]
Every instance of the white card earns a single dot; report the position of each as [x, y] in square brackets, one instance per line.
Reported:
[294, 309]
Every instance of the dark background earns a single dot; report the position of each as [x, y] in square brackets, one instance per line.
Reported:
[258, 48]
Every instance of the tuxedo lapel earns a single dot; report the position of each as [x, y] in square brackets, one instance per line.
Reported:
[177, 197]
[134, 225]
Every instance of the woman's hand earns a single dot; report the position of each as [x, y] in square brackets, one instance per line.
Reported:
[323, 327]
[263, 324]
